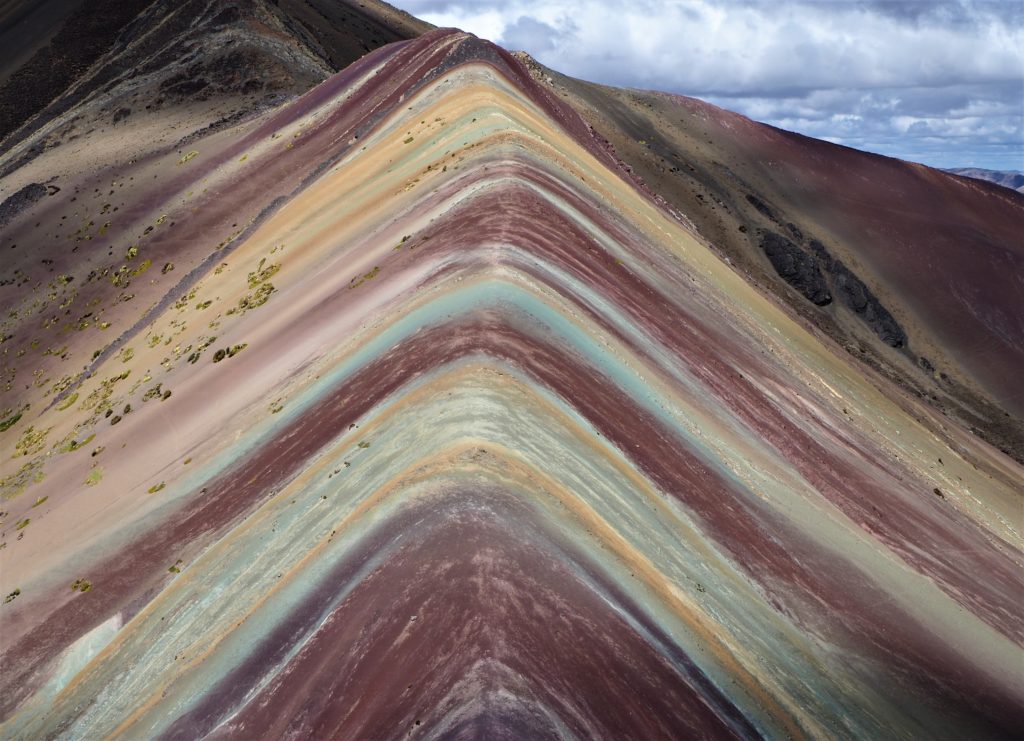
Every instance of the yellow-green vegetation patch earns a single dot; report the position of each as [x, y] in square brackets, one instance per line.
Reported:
[32, 441]
[22, 524]
[157, 487]
[182, 303]
[40, 379]
[199, 350]
[99, 398]
[229, 352]
[95, 476]
[59, 387]
[255, 299]
[359, 280]
[120, 277]
[30, 473]
[68, 401]
[10, 422]
[81, 585]
[70, 444]
[262, 274]
[153, 393]
[187, 157]
[12, 596]
[41, 500]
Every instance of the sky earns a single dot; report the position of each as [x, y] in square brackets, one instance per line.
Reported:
[934, 81]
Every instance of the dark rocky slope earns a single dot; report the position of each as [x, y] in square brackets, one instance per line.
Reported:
[110, 60]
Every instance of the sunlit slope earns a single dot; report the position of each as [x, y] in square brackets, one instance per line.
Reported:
[469, 436]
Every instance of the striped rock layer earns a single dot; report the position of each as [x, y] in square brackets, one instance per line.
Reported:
[487, 444]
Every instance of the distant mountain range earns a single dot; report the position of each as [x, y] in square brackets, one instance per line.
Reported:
[1012, 179]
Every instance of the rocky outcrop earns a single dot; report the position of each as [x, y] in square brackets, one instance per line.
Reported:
[807, 274]
[761, 206]
[856, 296]
[796, 267]
[19, 201]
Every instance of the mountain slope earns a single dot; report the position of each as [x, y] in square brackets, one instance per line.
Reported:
[913, 271]
[189, 64]
[406, 409]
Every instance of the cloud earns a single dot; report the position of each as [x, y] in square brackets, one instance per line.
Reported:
[529, 32]
[849, 71]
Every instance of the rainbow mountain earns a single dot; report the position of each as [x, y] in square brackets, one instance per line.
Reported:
[408, 407]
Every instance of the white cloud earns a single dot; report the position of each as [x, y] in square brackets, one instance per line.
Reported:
[846, 70]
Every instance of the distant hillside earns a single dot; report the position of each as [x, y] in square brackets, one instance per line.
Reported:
[69, 68]
[1007, 178]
